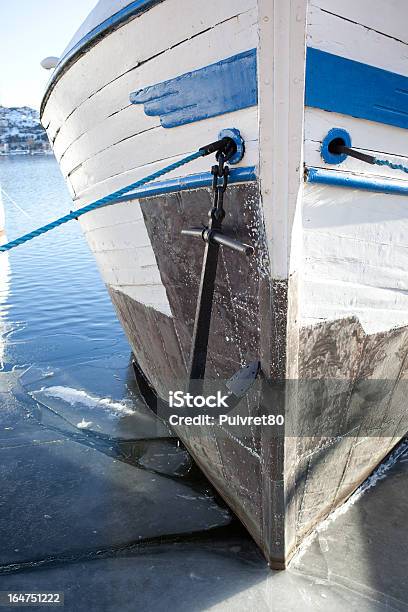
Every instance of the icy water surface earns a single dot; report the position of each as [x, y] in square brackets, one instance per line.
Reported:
[62, 349]
[59, 329]
[67, 388]
[55, 305]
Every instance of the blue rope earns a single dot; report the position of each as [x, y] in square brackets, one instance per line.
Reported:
[385, 162]
[107, 200]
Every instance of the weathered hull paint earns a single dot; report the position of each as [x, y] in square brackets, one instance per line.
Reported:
[280, 502]
[344, 411]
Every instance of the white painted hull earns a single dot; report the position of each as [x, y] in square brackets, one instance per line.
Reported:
[333, 259]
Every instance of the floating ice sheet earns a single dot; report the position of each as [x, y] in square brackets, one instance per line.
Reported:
[79, 395]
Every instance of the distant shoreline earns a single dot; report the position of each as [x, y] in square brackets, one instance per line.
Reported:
[26, 153]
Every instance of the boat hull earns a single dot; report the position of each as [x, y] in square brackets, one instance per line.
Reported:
[323, 303]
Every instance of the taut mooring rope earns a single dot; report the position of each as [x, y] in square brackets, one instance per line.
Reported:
[338, 147]
[386, 162]
[107, 200]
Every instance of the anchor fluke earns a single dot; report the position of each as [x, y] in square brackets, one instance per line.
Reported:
[239, 384]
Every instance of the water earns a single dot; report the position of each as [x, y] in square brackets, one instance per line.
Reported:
[55, 307]
[61, 344]
[77, 442]
[58, 328]
[63, 355]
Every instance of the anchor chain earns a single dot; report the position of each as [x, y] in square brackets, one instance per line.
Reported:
[213, 232]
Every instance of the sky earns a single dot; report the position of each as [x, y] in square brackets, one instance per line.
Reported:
[31, 30]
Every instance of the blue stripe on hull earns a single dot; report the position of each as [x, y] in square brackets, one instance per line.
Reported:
[193, 181]
[334, 83]
[345, 179]
[223, 87]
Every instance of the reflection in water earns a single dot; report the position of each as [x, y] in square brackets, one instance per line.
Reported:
[64, 341]
[62, 332]
[58, 327]
[4, 282]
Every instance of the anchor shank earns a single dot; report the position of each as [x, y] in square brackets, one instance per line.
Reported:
[202, 323]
